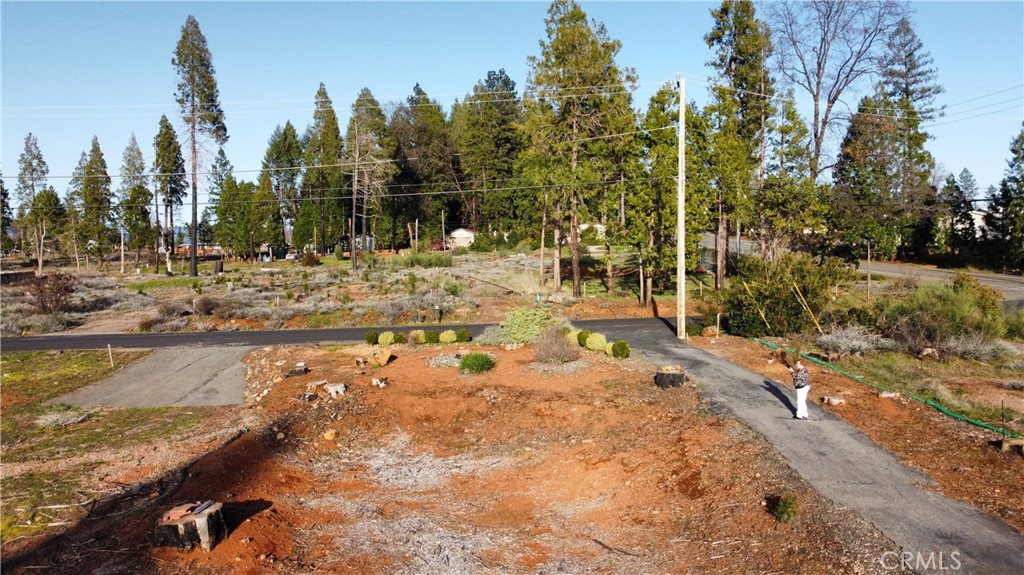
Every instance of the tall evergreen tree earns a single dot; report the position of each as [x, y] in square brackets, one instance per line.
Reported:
[283, 163]
[134, 199]
[1005, 218]
[198, 101]
[168, 179]
[788, 204]
[268, 225]
[97, 199]
[219, 170]
[323, 179]
[32, 174]
[370, 152]
[907, 72]
[489, 143]
[741, 109]
[570, 88]
[6, 216]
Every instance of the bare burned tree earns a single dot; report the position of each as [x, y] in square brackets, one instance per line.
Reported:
[825, 46]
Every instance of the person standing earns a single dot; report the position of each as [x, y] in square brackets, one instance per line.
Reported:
[802, 383]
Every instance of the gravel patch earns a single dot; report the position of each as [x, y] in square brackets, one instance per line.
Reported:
[561, 368]
[399, 467]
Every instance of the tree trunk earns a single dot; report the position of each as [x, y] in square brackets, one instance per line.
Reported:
[556, 252]
[721, 248]
[122, 251]
[193, 266]
[574, 248]
[643, 282]
[543, 233]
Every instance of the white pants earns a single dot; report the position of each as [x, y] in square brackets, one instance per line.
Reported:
[801, 401]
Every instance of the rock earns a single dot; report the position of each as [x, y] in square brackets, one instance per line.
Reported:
[888, 395]
[280, 436]
[330, 434]
[381, 382]
[830, 400]
[336, 390]
[297, 371]
[360, 362]
[929, 352]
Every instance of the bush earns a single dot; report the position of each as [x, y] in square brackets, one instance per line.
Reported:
[494, 335]
[596, 342]
[853, 339]
[399, 337]
[620, 349]
[785, 508]
[425, 260]
[453, 288]
[371, 337]
[386, 338]
[771, 292]
[431, 336]
[448, 336]
[572, 336]
[608, 349]
[554, 347]
[935, 313]
[476, 362]
[1014, 322]
[974, 347]
[205, 305]
[53, 291]
[525, 324]
[417, 336]
[310, 259]
[462, 335]
[172, 309]
[581, 337]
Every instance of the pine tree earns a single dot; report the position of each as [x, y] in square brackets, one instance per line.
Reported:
[198, 100]
[283, 162]
[6, 217]
[571, 86]
[168, 179]
[788, 204]
[268, 225]
[907, 72]
[489, 144]
[32, 173]
[1005, 219]
[323, 178]
[134, 199]
[97, 199]
[219, 170]
[741, 109]
[370, 152]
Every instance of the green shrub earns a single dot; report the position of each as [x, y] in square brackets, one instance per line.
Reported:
[476, 362]
[785, 508]
[453, 288]
[581, 337]
[1014, 324]
[608, 349]
[411, 281]
[462, 335]
[596, 342]
[417, 336]
[572, 336]
[493, 335]
[431, 336]
[448, 336]
[935, 313]
[620, 349]
[399, 337]
[771, 292]
[525, 324]
[425, 260]
[371, 336]
[386, 338]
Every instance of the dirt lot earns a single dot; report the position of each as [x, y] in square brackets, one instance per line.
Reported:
[586, 467]
[960, 457]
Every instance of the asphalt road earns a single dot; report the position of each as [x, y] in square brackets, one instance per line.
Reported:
[1011, 286]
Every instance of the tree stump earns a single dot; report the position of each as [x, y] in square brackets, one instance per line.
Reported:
[670, 377]
[187, 526]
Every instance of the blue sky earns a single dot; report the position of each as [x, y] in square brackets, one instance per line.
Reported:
[74, 70]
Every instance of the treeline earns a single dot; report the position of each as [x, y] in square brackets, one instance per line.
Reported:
[571, 148]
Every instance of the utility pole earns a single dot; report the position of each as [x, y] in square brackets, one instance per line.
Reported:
[444, 246]
[869, 270]
[681, 218]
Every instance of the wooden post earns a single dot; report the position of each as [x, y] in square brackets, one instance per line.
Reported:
[681, 218]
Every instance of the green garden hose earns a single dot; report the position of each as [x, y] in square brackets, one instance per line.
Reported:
[930, 402]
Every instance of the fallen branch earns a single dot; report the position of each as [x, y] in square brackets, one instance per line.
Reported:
[615, 549]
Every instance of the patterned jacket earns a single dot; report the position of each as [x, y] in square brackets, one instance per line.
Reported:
[801, 378]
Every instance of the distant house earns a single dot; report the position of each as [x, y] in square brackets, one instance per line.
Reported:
[461, 238]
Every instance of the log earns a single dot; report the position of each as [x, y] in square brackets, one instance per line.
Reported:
[188, 526]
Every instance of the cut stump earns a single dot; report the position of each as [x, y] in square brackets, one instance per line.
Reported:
[188, 526]
[670, 377]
